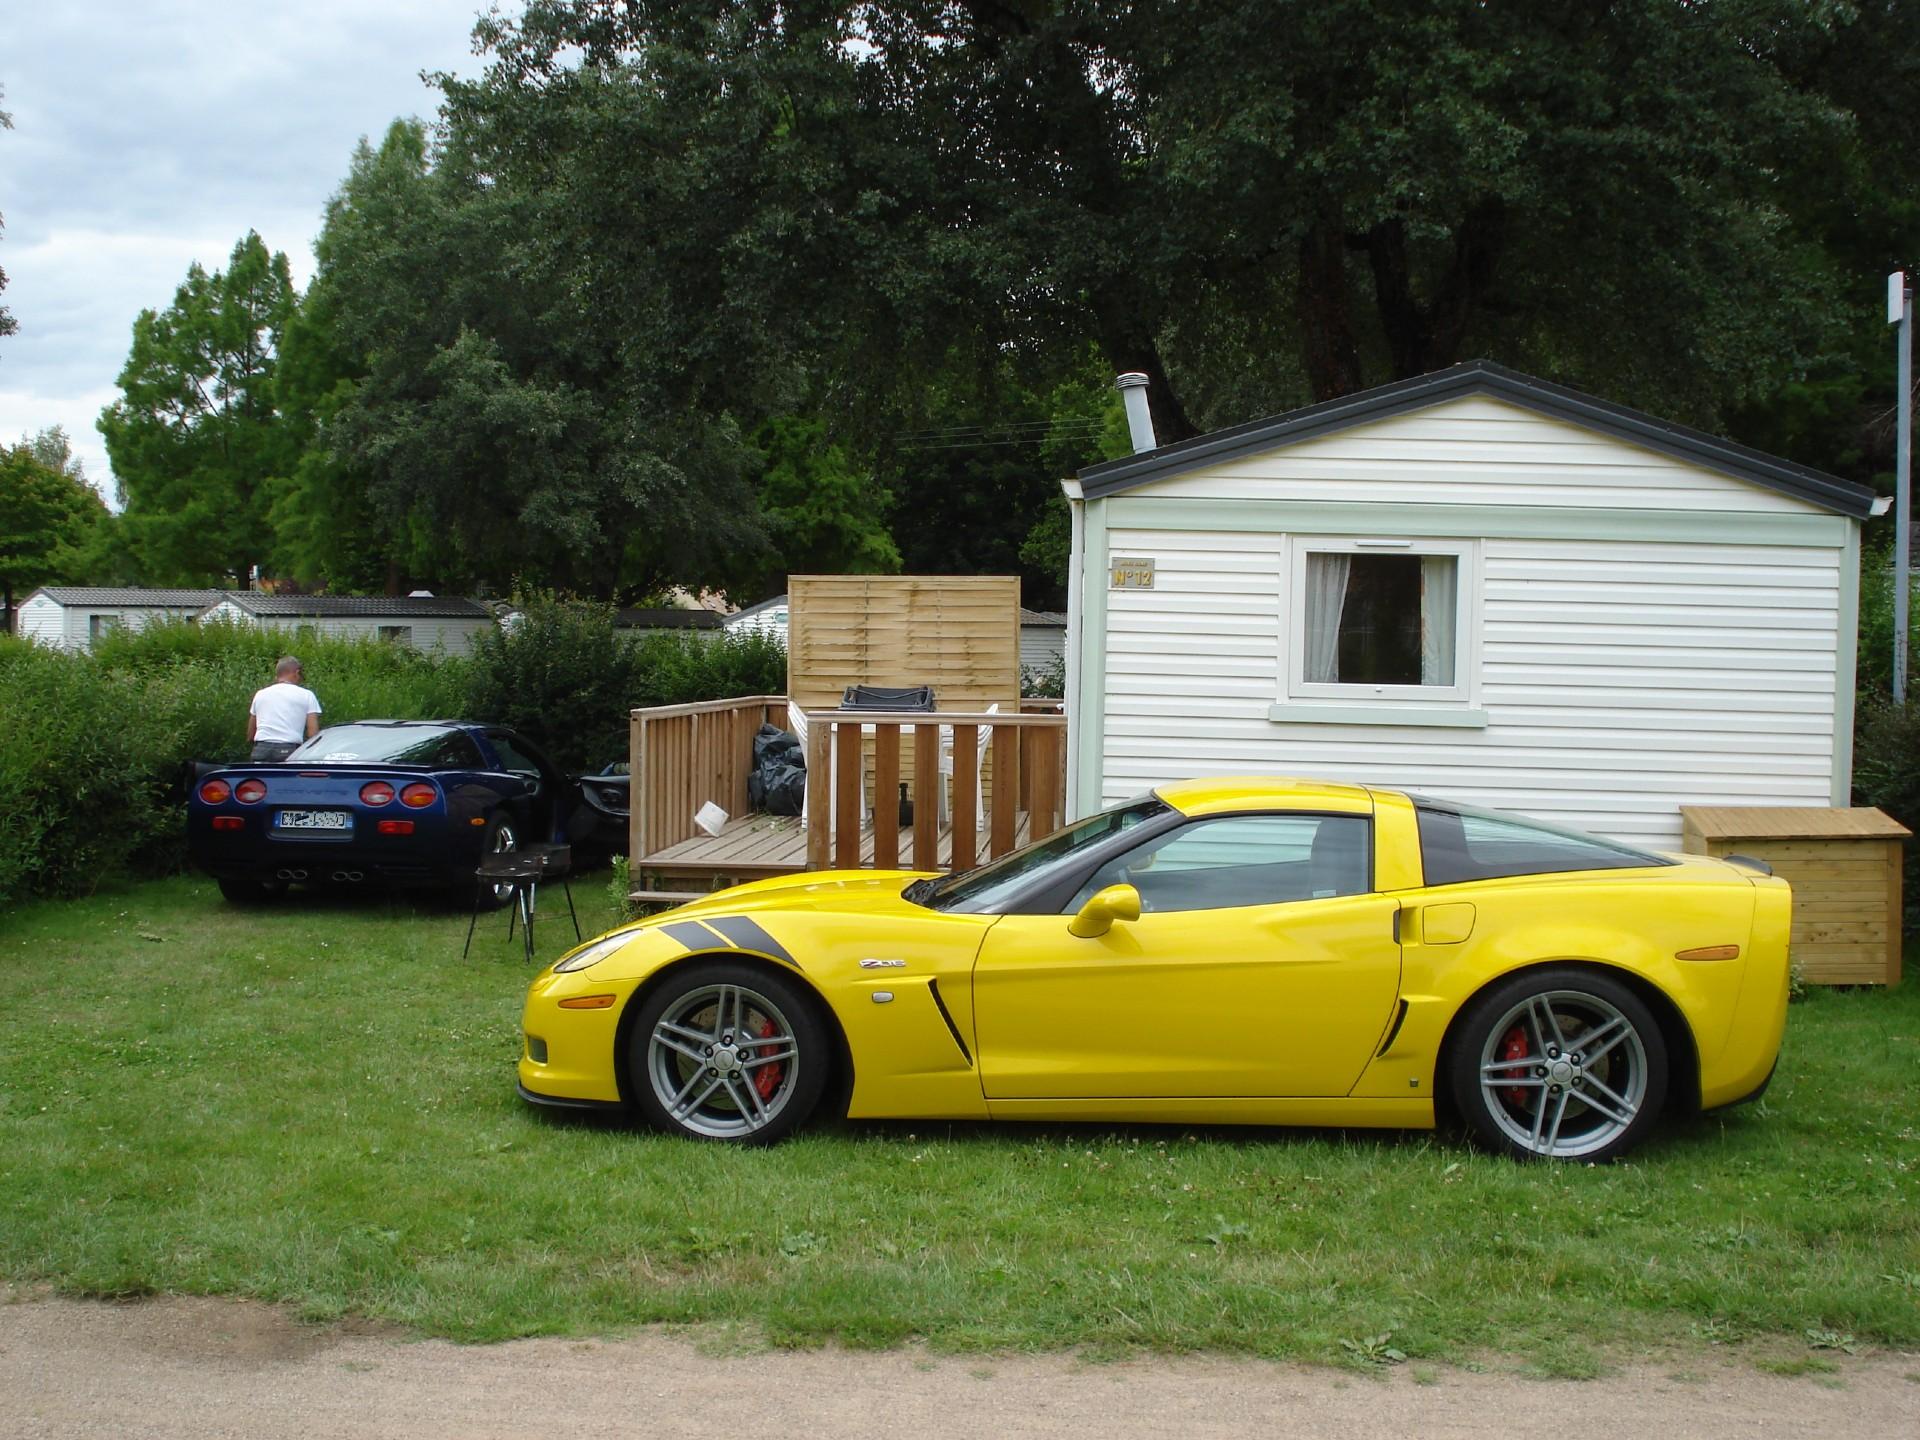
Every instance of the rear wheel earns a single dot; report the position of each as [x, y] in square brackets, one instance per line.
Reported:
[726, 1051]
[1559, 1064]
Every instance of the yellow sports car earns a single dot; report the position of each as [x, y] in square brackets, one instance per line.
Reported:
[1253, 951]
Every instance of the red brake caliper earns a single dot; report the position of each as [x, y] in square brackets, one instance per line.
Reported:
[1515, 1047]
[767, 1079]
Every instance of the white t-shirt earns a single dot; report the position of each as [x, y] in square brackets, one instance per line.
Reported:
[280, 712]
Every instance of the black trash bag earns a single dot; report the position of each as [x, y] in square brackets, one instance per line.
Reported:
[778, 782]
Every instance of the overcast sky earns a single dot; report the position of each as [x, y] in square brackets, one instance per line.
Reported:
[149, 135]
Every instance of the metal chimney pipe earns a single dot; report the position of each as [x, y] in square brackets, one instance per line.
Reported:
[1133, 390]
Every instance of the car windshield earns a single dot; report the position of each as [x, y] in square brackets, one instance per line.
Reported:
[435, 745]
[982, 890]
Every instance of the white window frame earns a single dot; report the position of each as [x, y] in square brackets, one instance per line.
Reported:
[1455, 704]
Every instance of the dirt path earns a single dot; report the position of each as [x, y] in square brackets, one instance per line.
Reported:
[206, 1368]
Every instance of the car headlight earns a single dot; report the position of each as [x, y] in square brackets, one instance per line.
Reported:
[593, 953]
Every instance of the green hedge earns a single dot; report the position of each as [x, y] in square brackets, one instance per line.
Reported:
[94, 749]
[563, 676]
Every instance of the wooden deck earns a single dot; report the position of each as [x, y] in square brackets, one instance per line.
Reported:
[1007, 787]
[755, 847]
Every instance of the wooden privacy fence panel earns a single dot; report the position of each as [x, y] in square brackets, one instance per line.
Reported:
[958, 633]
[683, 756]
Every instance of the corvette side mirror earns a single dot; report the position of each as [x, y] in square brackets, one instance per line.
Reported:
[1096, 917]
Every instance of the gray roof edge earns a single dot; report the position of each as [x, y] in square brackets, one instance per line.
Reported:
[124, 595]
[436, 607]
[1482, 377]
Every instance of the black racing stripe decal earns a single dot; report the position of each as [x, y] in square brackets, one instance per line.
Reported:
[692, 934]
[751, 935]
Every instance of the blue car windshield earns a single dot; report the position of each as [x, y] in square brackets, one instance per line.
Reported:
[436, 746]
[982, 890]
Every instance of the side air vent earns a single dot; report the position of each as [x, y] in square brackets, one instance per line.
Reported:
[1393, 1031]
[933, 989]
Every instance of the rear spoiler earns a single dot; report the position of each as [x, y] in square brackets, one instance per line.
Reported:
[1749, 863]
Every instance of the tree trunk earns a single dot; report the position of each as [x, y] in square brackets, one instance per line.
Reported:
[1423, 338]
[1331, 352]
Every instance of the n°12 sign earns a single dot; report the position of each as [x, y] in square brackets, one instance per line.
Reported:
[1131, 574]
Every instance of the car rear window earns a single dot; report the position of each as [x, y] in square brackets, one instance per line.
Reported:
[431, 745]
[1458, 843]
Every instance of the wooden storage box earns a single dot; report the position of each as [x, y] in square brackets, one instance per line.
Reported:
[1844, 866]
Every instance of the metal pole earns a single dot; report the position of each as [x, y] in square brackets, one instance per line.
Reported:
[1902, 512]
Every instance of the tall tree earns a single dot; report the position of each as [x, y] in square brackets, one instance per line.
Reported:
[195, 434]
[825, 514]
[1340, 192]
[48, 515]
[497, 431]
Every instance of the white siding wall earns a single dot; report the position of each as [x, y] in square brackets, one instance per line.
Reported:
[766, 622]
[69, 627]
[1476, 451]
[1620, 679]
[451, 636]
[1042, 645]
[44, 622]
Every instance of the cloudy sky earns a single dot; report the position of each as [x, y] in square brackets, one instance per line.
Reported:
[149, 135]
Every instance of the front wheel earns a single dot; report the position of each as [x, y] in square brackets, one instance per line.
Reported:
[726, 1051]
[1559, 1064]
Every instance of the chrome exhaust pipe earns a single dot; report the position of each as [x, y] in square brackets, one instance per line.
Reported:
[288, 873]
[349, 876]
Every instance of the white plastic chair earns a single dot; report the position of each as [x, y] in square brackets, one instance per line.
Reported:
[981, 738]
[797, 723]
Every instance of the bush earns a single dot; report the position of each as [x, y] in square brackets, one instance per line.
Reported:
[564, 677]
[82, 777]
[559, 677]
[1886, 774]
[94, 749]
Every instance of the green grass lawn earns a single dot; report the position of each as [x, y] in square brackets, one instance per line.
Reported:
[314, 1104]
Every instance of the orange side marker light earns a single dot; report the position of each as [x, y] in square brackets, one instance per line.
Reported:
[587, 1002]
[1709, 952]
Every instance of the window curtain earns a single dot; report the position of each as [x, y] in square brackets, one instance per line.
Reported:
[1326, 600]
[1439, 611]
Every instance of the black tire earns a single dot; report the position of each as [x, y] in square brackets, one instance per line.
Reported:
[241, 890]
[689, 1075]
[1524, 1074]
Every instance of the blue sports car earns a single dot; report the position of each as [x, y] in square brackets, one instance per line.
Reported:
[395, 802]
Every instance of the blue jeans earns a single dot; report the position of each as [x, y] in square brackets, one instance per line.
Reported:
[269, 751]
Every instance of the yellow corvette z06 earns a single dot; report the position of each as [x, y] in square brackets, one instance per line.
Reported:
[1261, 952]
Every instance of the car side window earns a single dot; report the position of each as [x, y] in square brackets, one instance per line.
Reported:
[1229, 862]
[454, 750]
[513, 757]
[1460, 844]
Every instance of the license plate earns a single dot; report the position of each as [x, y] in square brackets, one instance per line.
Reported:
[316, 820]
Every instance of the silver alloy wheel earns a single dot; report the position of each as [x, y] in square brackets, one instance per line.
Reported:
[1563, 1074]
[723, 1061]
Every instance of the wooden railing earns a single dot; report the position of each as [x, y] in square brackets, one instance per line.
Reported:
[685, 755]
[1028, 754]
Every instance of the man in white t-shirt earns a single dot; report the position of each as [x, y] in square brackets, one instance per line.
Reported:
[283, 714]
